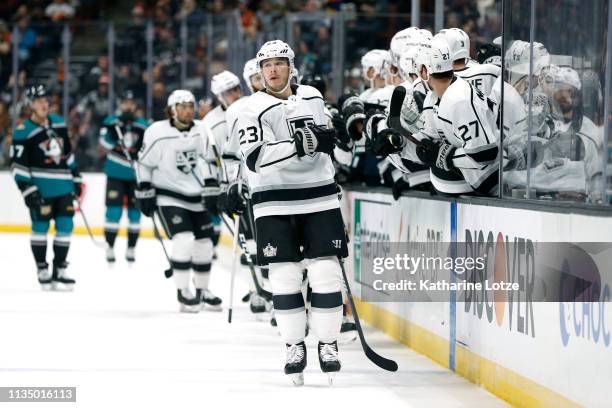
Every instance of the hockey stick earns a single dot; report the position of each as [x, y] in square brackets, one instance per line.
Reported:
[242, 241]
[168, 272]
[374, 357]
[233, 273]
[395, 111]
[102, 245]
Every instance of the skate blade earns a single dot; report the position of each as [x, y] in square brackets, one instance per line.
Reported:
[62, 287]
[298, 379]
[330, 378]
[47, 287]
[189, 309]
[209, 308]
[347, 337]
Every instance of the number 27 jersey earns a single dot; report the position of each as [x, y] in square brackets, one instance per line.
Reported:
[280, 182]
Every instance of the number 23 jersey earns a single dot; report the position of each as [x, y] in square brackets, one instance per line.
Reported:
[280, 182]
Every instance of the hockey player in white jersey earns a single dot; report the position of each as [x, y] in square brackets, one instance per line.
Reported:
[458, 139]
[226, 88]
[286, 149]
[176, 182]
[251, 76]
[480, 76]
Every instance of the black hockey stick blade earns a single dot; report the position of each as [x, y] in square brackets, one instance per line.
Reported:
[380, 361]
[168, 273]
[395, 111]
[229, 316]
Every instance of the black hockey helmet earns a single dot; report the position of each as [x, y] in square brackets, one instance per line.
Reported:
[486, 52]
[316, 81]
[35, 91]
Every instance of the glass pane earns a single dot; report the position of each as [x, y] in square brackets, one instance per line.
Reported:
[563, 153]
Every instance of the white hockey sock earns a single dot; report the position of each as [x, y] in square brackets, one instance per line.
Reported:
[326, 300]
[289, 310]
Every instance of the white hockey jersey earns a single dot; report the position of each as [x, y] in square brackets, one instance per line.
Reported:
[415, 172]
[177, 163]
[214, 126]
[280, 182]
[231, 148]
[466, 121]
[480, 76]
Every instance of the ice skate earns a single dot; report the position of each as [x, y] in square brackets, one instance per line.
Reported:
[296, 362]
[209, 301]
[328, 359]
[257, 303]
[188, 302]
[110, 254]
[348, 331]
[44, 277]
[61, 281]
[130, 254]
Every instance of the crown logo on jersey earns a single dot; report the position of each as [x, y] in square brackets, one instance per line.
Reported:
[269, 251]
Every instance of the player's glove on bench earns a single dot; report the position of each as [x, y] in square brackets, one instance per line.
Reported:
[436, 154]
[387, 141]
[145, 196]
[314, 138]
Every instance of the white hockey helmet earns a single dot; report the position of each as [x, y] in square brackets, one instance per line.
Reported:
[401, 41]
[407, 62]
[565, 77]
[435, 55]
[425, 34]
[458, 43]
[517, 57]
[375, 59]
[180, 96]
[276, 49]
[250, 69]
[222, 82]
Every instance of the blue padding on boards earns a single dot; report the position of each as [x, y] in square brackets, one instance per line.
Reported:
[453, 295]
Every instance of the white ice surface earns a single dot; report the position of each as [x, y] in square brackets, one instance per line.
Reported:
[120, 340]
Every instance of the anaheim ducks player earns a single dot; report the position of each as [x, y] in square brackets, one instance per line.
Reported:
[171, 175]
[458, 138]
[298, 222]
[480, 76]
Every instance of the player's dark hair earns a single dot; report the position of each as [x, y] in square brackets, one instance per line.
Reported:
[443, 75]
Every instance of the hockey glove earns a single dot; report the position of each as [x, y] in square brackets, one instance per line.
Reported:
[237, 195]
[222, 200]
[388, 141]
[435, 154]
[78, 185]
[343, 140]
[32, 197]
[145, 196]
[314, 138]
[353, 111]
[210, 195]
[371, 126]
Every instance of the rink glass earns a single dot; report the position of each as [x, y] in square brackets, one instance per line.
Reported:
[331, 44]
[566, 92]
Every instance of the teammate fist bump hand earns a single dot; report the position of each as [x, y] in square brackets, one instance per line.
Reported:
[437, 154]
[314, 138]
[145, 196]
[388, 141]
